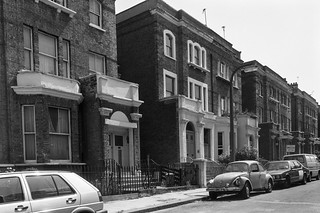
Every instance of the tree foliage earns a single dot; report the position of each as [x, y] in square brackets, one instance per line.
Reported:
[247, 153]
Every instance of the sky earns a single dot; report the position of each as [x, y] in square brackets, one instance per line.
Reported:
[281, 34]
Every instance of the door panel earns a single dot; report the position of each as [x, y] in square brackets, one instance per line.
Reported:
[190, 145]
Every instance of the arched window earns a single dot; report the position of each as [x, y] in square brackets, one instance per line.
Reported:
[169, 44]
[197, 55]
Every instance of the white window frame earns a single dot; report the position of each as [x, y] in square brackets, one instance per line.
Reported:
[172, 75]
[30, 50]
[25, 133]
[235, 81]
[170, 34]
[103, 60]
[55, 58]
[98, 15]
[223, 70]
[64, 134]
[204, 95]
[202, 54]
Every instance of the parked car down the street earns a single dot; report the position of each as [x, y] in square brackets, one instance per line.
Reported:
[287, 172]
[48, 191]
[309, 161]
[241, 177]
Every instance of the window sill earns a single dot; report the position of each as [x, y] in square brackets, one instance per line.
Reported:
[222, 78]
[97, 27]
[59, 7]
[172, 58]
[198, 67]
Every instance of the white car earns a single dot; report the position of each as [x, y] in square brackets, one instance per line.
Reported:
[48, 191]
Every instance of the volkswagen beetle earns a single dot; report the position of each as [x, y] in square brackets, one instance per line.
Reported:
[241, 177]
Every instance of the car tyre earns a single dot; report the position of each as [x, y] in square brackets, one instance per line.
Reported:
[318, 176]
[269, 187]
[213, 195]
[304, 179]
[309, 177]
[288, 182]
[245, 192]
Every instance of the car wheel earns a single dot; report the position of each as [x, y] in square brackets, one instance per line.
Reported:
[269, 187]
[245, 192]
[318, 176]
[213, 195]
[309, 177]
[304, 179]
[288, 182]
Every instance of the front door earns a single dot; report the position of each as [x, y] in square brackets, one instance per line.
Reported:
[191, 152]
[121, 149]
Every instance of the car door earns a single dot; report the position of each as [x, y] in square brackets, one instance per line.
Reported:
[255, 176]
[13, 196]
[293, 172]
[51, 193]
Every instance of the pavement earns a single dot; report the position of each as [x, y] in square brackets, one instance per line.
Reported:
[149, 203]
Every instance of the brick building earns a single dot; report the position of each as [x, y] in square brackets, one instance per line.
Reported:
[268, 96]
[304, 121]
[61, 100]
[183, 69]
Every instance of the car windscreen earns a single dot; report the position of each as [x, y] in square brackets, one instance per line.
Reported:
[237, 167]
[277, 166]
[298, 158]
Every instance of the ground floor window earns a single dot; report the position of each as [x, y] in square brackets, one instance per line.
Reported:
[59, 133]
[220, 143]
[207, 153]
[29, 132]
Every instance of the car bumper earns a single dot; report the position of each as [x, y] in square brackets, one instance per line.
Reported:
[279, 181]
[225, 189]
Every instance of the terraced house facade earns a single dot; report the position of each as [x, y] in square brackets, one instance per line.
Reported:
[183, 69]
[60, 96]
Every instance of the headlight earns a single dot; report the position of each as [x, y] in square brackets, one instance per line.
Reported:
[211, 181]
[236, 182]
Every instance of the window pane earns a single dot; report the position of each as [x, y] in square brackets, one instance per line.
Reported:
[94, 19]
[197, 91]
[63, 121]
[28, 118]
[62, 186]
[30, 147]
[59, 147]
[41, 186]
[94, 6]
[53, 120]
[47, 45]
[27, 59]
[169, 86]
[27, 37]
[99, 64]
[196, 55]
[65, 50]
[47, 64]
[96, 63]
[11, 190]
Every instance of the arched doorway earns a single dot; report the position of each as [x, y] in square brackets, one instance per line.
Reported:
[191, 145]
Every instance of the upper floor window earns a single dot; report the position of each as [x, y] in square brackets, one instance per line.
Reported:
[170, 83]
[28, 48]
[97, 63]
[235, 81]
[223, 70]
[198, 91]
[169, 44]
[95, 13]
[60, 5]
[61, 2]
[197, 55]
[66, 59]
[48, 59]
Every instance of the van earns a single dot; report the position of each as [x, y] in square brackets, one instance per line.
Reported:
[308, 160]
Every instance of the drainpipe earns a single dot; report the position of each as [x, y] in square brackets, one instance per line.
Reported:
[211, 76]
